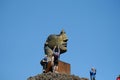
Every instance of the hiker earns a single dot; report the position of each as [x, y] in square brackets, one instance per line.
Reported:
[118, 78]
[44, 63]
[92, 73]
[55, 59]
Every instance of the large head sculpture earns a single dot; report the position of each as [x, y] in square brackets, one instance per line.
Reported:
[56, 40]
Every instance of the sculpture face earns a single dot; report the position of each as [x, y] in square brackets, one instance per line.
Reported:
[56, 40]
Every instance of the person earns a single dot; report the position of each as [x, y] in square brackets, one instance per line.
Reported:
[55, 59]
[118, 78]
[44, 63]
[92, 73]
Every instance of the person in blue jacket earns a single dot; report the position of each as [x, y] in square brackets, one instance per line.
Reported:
[92, 73]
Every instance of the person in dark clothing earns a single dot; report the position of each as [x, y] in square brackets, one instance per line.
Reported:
[55, 59]
[118, 78]
[92, 73]
[44, 63]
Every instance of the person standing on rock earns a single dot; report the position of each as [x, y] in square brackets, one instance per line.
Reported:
[55, 58]
[92, 73]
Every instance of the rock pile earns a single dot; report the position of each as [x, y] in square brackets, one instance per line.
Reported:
[55, 76]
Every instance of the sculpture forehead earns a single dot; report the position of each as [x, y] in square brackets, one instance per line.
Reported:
[60, 37]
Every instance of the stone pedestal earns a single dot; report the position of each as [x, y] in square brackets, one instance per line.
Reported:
[63, 67]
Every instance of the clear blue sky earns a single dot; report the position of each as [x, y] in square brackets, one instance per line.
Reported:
[92, 26]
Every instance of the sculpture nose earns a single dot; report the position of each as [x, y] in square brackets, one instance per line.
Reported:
[65, 40]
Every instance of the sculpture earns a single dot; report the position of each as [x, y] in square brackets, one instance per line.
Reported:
[56, 40]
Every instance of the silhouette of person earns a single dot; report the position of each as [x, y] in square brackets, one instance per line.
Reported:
[92, 73]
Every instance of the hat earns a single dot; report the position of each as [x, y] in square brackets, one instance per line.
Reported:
[92, 68]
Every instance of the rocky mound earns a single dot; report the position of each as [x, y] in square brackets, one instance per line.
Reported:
[55, 76]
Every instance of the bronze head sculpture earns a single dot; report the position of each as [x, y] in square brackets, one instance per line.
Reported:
[56, 40]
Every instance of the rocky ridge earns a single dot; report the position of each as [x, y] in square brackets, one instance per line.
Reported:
[55, 76]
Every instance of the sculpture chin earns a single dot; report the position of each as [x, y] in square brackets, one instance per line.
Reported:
[63, 49]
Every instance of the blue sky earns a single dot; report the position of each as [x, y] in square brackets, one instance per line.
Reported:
[93, 29]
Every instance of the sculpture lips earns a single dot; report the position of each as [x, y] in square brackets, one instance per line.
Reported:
[64, 44]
